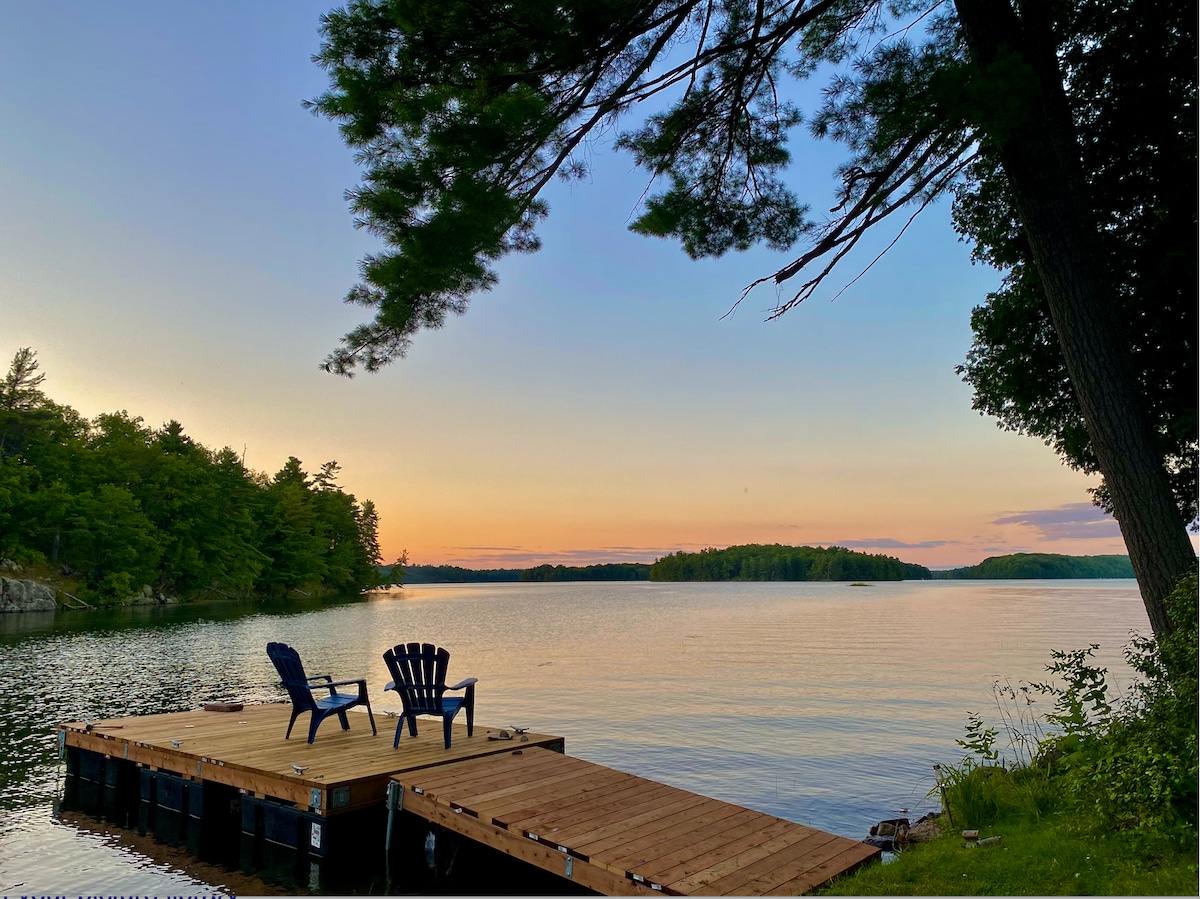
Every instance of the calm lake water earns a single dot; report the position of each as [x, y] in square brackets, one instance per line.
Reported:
[822, 703]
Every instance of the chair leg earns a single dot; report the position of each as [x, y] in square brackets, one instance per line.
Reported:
[446, 726]
[374, 732]
[342, 718]
[295, 714]
[412, 727]
[313, 725]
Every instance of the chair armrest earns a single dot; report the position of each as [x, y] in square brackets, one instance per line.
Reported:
[391, 685]
[340, 683]
[320, 677]
[466, 683]
[332, 686]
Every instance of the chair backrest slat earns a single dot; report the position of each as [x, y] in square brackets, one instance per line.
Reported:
[291, 672]
[420, 669]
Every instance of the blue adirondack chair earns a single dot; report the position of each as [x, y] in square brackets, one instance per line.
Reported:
[300, 688]
[419, 675]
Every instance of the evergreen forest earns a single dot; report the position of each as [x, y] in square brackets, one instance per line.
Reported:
[754, 562]
[618, 571]
[117, 506]
[450, 574]
[1043, 565]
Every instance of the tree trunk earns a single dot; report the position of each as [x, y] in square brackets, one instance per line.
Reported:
[1041, 160]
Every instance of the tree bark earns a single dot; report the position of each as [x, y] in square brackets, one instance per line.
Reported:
[1041, 159]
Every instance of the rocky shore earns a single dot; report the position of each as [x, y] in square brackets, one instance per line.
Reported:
[19, 594]
[25, 596]
[894, 834]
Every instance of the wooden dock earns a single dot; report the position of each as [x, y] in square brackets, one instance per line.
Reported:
[341, 770]
[624, 835]
[602, 829]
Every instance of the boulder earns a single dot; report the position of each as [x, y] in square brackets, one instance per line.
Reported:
[25, 596]
[924, 830]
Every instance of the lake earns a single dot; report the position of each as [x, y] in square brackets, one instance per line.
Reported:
[823, 703]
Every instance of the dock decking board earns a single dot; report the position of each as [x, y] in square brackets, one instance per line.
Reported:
[246, 750]
[621, 834]
[606, 830]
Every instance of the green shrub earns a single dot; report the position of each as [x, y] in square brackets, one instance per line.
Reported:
[1127, 763]
[115, 588]
[1146, 772]
[27, 557]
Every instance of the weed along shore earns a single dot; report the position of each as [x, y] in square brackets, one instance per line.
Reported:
[1097, 796]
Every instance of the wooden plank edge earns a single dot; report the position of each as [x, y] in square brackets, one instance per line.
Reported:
[200, 768]
[535, 852]
[820, 875]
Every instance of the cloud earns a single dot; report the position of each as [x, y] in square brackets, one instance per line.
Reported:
[888, 543]
[1074, 521]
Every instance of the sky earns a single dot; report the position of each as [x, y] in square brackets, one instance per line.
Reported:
[175, 242]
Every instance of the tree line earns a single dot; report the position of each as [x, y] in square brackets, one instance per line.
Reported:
[775, 563]
[1042, 565]
[614, 571]
[754, 562]
[452, 574]
[119, 506]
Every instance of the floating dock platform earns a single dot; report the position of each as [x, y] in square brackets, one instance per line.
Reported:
[202, 776]
[620, 834]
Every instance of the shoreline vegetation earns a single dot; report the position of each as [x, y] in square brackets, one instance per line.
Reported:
[754, 562]
[112, 512]
[1095, 795]
[1042, 565]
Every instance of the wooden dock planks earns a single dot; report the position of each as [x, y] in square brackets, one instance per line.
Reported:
[620, 834]
[246, 749]
[606, 830]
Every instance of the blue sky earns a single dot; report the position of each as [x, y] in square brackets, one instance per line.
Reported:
[174, 241]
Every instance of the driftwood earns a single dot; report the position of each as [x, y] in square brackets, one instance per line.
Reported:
[76, 598]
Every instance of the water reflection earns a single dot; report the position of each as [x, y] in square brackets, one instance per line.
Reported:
[820, 703]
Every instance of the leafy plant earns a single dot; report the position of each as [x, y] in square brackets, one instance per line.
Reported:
[1146, 772]
[986, 786]
[1127, 763]
[1081, 707]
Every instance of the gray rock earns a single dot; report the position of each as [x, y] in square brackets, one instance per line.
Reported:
[924, 831]
[25, 596]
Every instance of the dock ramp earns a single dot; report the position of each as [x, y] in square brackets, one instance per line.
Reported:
[619, 834]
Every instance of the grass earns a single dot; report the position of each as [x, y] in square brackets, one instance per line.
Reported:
[1053, 856]
[1096, 797]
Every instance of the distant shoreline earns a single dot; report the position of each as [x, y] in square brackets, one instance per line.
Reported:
[1015, 566]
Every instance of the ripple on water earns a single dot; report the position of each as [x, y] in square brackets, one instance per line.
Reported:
[44, 855]
[815, 702]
